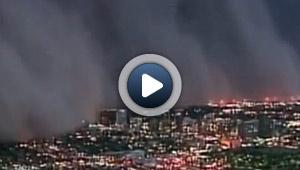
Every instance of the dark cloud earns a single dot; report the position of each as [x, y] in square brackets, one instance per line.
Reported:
[49, 80]
[60, 60]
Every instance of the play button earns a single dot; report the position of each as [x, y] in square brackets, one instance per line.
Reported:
[149, 85]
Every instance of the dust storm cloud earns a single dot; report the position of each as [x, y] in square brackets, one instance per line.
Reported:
[60, 60]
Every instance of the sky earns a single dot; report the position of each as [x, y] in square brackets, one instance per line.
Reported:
[60, 60]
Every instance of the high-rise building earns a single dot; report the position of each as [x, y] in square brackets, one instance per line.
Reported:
[249, 128]
[266, 127]
[135, 123]
[122, 117]
[107, 117]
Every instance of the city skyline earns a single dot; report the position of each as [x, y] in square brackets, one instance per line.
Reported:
[212, 136]
[150, 85]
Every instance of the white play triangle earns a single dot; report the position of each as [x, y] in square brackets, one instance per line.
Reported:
[150, 85]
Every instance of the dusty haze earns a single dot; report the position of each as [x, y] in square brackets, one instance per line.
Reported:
[60, 61]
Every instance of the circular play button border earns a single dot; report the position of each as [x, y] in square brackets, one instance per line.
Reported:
[156, 59]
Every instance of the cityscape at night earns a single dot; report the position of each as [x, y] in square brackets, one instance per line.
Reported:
[216, 136]
[149, 85]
